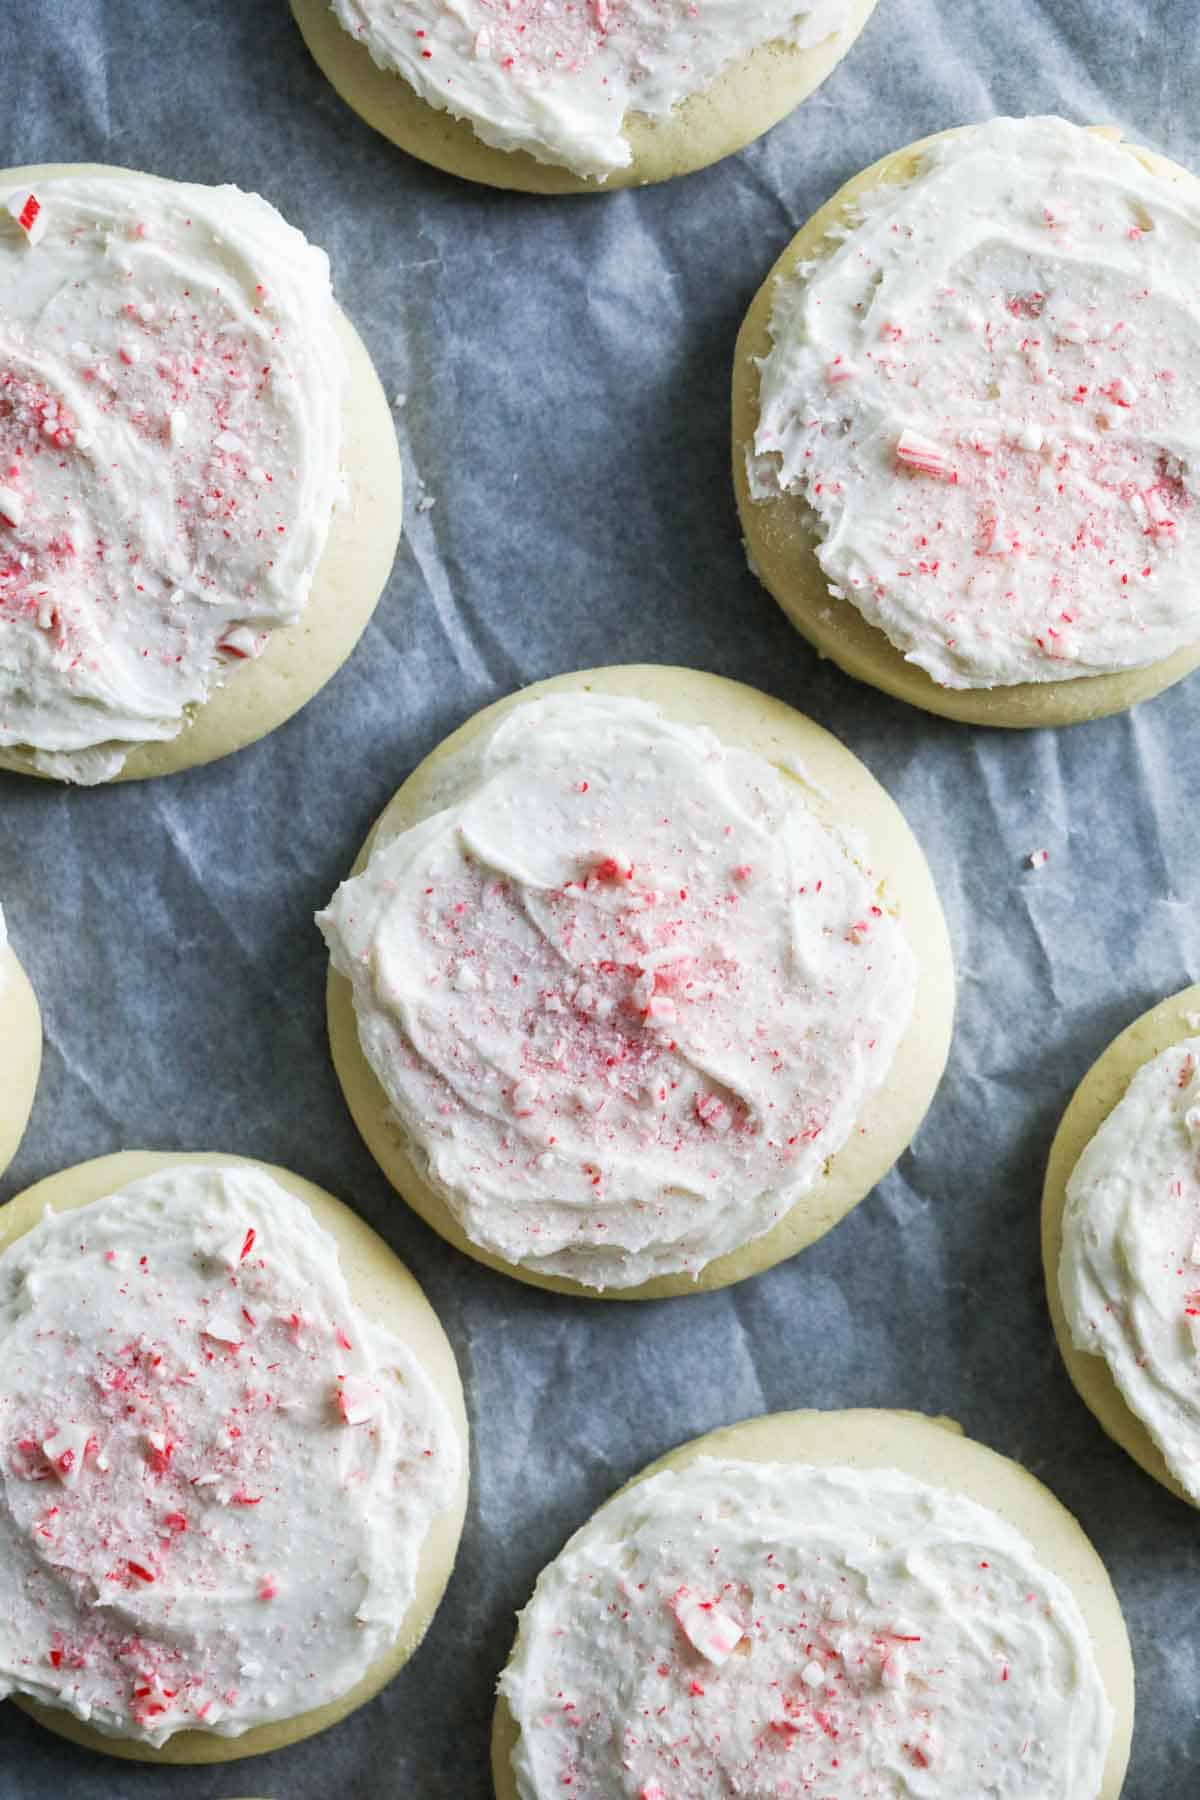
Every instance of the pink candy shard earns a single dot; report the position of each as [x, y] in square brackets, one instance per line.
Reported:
[242, 643]
[233, 1252]
[707, 1627]
[928, 458]
[356, 1401]
[65, 1452]
[29, 214]
[225, 1325]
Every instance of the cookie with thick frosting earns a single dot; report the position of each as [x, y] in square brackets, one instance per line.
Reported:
[199, 480]
[639, 984]
[835, 1603]
[578, 98]
[20, 1049]
[964, 432]
[216, 1384]
[1121, 1241]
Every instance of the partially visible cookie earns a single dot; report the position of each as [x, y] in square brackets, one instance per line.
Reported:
[1121, 1241]
[576, 99]
[217, 1386]
[639, 985]
[964, 440]
[200, 488]
[20, 1049]
[841, 1599]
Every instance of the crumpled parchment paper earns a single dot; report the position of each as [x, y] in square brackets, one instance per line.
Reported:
[565, 370]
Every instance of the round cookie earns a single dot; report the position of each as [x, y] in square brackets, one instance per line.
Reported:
[20, 1051]
[781, 543]
[385, 1291]
[933, 1451]
[1094, 1099]
[839, 790]
[742, 103]
[364, 532]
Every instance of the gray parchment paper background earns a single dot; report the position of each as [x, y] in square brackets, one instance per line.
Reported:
[566, 368]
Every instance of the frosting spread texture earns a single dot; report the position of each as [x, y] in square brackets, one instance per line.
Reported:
[557, 80]
[987, 395]
[217, 1474]
[1130, 1269]
[171, 388]
[762, 1631]
[624, 991]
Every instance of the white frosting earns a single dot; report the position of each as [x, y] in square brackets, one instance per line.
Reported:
[217, 1473]
[888, 1639]
[988, 394]
[1130, 1270]
[556, 79]
[624, 991]
[171, 389]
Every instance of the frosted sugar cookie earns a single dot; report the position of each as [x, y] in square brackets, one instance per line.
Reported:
[578, 98]
[965, 441]
[20, 1049]
[234, 1451]
[1121, 1238]
[838, 1604]
[639, 985]
[199, 478]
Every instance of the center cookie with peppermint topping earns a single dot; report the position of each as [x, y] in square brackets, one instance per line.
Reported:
[198, 1419]
[965, 437]
[615, 990]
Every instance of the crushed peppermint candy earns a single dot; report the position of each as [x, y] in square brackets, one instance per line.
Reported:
[29, 214]
[708, 1627]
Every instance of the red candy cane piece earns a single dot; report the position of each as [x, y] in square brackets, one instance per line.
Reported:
[65, 1452]
[242, 643]
[925, 457]
[355, 1401]
[234, 1251]
[707, 1627]
[29, 214]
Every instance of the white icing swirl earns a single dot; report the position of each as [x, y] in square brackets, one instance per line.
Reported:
[197, 1424]
[766, 1630]
[171, 388]
[988, 394]
[624, 991]
[557, 80]
[1130, 1269]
